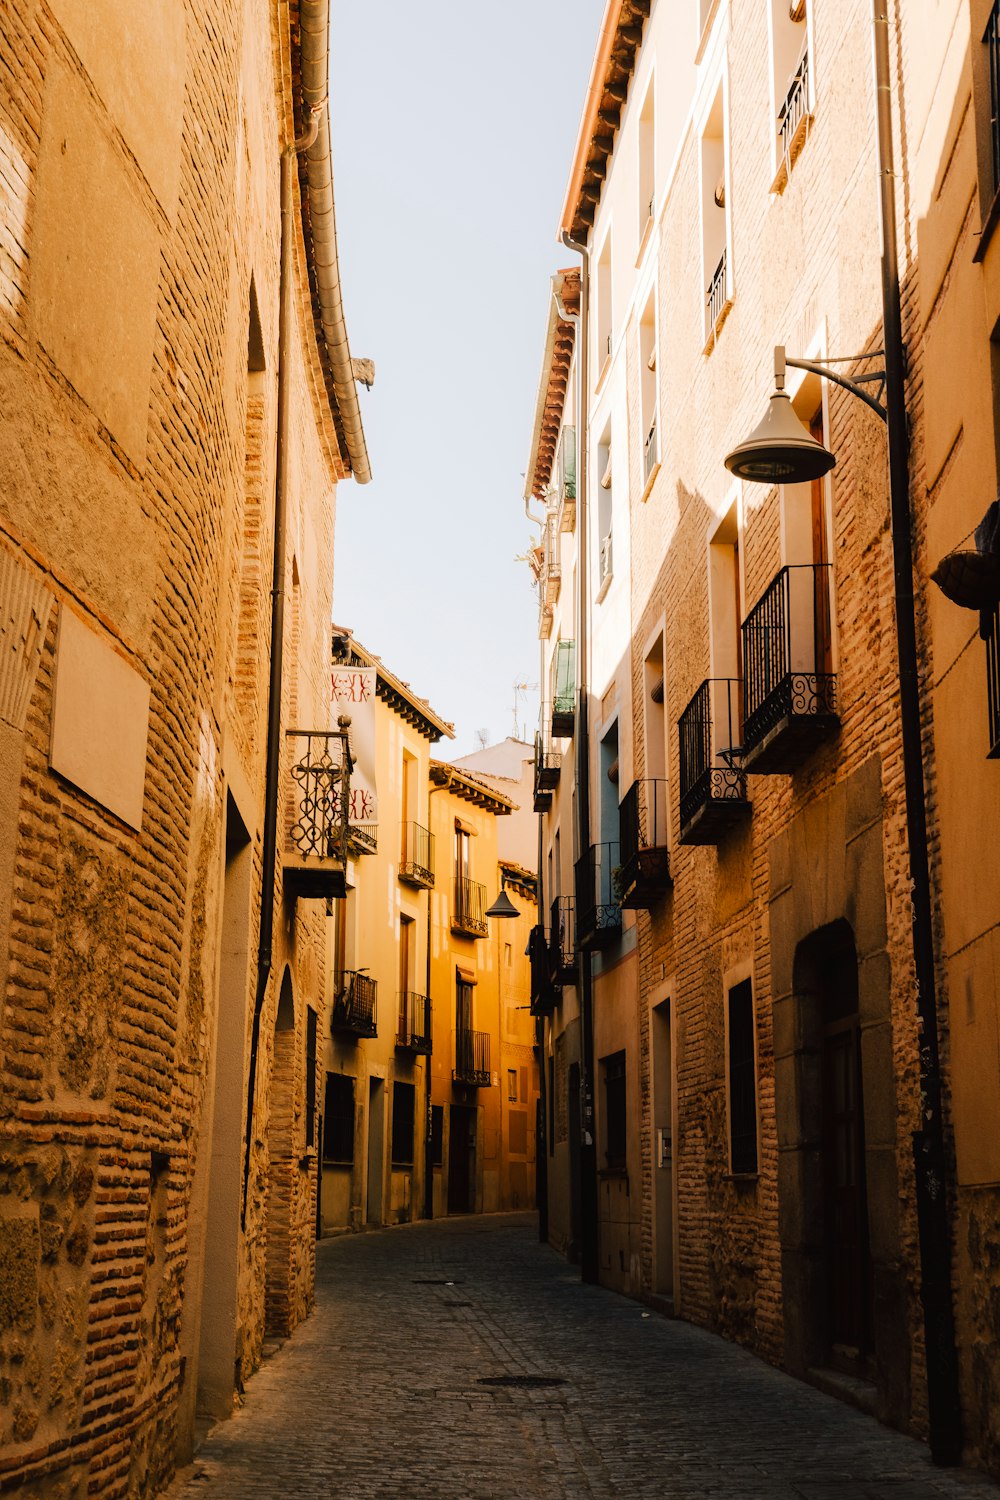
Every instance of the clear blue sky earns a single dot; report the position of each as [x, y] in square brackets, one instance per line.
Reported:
[454, 125]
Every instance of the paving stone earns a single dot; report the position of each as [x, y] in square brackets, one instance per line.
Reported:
[378, 1394]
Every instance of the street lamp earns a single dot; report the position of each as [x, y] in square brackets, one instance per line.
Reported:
[503, 906]
[780, 450]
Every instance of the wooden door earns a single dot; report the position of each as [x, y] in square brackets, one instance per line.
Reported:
[848, 1255]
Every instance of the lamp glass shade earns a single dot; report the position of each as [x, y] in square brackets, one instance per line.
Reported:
[503, 906]
[780, 450]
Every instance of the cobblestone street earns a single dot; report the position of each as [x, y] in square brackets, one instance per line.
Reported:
[383, 1393]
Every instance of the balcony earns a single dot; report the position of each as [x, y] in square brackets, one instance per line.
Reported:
[645, 859]
[548, 764]
[468, 915]
[544, 995]
[567, 480]
[354, 995]
[650, 453]
[551, 580]
[472, 1059]
[790, 696]
[715, 296]
[363, 838]
[564, 697]
[713, 783]
[598, 909]
[317, 833]
[562, 941]
[416, 858]
[413, 1023]
[794, 112]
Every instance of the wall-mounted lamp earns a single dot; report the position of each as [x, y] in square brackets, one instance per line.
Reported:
[780, 450]
[503, 906]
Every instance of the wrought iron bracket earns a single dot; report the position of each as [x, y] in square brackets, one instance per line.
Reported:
[856, 384]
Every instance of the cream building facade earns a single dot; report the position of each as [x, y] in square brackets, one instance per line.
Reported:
[738, 1040]
[179, 407]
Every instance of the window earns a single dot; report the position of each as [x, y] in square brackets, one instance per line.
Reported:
[603, 324]
[462, 861]
[717, 270]
[742, 1080]
[407, 941]
[437, 1135]
[615, 1132]
[647, 391]
[986, 92]
[403, 1104]
[463, 1003]
[310, 1077]
[605, 512]
[791, 86]
[653, 712]
[338, 1120]
[647, 163]
[512, 1085]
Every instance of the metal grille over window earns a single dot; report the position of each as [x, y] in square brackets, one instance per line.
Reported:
[993, 681]
[795, 107]
[716, 294]
[992, 41]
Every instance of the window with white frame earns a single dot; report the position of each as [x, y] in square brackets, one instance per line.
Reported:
[647, 161]
[647, 390]
[791, 82]
[605, 511]
[717, 269]
[603, 322]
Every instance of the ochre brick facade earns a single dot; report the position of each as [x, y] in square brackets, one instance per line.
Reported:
[818, 865]
[137, 482]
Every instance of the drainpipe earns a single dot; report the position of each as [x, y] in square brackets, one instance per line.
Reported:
[931, 1161]
[428, 1148]
[589, 1262]
[270, 835]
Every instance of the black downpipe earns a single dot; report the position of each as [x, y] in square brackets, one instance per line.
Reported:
[428, 1142]
[589, 1259]
[269, 847]
[541, 1138]
[931, 1162]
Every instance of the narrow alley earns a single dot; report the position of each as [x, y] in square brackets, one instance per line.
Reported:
[461, 1359]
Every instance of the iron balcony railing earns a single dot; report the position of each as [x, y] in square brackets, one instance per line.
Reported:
[713, 782]
[562, 940]
[472, 1059]
[788, 696]
[317, 828]
[715, 296]
[413, 1023]
[795, 107]
[469, 911]
[547, 767]
[364, 838]
[598, 910]
[650, 452]
[993, 682]
[992, 41]
[354, 995]
[416, 860]
[543, 991]
[645, 860]
[564, 689]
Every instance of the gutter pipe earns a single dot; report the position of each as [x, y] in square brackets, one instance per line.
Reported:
[589, 1262]
[931, 1161]
[314, 22]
